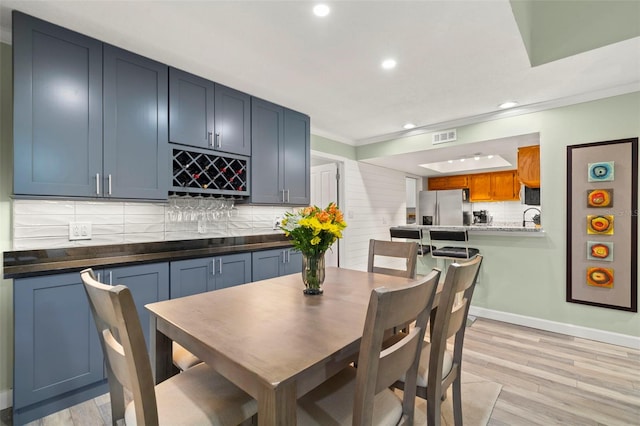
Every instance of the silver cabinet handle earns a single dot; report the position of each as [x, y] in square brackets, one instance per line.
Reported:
[98, 183]
[99, 276]
[283, 196]
[210, 138]
[213, 267]
[110, 277]
[220, 266]
[284, 256]
[218, 140]
[109, 184]
[287, 195]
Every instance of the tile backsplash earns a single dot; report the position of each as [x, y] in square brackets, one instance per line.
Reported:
[39, 224]
[507, 213]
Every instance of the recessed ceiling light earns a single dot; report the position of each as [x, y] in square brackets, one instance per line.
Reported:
[489, 157]
[388, 64]
[508, 104]
[409, 126]
[450, 161]
[462, 160]
[476, 158]
[321, 10]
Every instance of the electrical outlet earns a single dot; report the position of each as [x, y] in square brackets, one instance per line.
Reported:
[276, 222]
[79, 231]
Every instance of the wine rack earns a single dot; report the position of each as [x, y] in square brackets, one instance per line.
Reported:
[205, 172]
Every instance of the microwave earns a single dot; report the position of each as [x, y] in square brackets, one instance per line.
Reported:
[531, 196]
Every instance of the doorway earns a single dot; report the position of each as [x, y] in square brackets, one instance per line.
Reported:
[324, 189]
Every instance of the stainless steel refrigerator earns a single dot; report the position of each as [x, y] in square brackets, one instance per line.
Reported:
[443, 207]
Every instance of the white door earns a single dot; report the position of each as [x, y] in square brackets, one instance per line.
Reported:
[324, 190]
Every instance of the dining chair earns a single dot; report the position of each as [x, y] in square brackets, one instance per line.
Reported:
[197, 396]
[394, 249]
[182, 358]
[439, 368]
[361, 396]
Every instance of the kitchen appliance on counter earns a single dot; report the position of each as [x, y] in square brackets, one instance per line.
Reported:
[443, 207]
[481, 217]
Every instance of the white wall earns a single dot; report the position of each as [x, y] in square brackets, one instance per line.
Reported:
[375, 199]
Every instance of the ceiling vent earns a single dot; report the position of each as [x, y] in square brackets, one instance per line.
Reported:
[444, 136]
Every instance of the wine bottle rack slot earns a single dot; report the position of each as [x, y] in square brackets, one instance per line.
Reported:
[203, 172]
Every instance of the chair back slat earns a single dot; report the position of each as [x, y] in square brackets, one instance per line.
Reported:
[397, 249]
[123, 344]
[377, 368]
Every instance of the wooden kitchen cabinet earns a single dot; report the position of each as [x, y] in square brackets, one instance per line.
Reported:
[208, 115]
[195, 276]
[274, 263]
[529, 166]
[58, 361]
[505, 186]
[89, 118]
[448, 182]
[480, 187]
[281, 149]
[494, 186]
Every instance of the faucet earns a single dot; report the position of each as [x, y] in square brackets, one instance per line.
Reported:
[525, 212]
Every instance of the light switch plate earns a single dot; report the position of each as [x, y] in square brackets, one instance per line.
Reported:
[79, 231]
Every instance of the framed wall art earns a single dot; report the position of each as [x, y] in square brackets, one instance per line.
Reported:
[595, 224]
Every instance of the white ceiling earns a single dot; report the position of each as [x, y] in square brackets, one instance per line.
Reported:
[456, 59]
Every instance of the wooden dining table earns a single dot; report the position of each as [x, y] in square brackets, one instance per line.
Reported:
[267, 337]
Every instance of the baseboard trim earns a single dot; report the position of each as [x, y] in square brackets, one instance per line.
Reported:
[6, 399]
[558, 327]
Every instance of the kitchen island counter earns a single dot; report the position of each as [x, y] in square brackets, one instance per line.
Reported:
[497, 229]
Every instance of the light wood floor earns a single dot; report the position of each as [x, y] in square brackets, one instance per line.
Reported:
[547, 379]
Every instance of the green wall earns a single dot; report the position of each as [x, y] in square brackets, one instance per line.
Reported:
[526, 275]
[6, 171]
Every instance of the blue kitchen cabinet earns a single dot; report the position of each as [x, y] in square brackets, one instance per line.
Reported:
[274, 263]
[57, 83]
[195, 276]
[280, 146]
[90, 120]
[58, 361]
[148, 284]
[208, 115]
[136, 157]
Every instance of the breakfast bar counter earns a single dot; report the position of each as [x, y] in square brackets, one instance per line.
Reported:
[505, 230]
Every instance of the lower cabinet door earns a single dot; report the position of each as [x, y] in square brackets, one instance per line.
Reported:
[267, 264]
[56, 344]
[148, 284]
[232, 270]
[191, 276]
[293, 264]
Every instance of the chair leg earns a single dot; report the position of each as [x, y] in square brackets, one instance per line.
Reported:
[433, 406]
[457, 401]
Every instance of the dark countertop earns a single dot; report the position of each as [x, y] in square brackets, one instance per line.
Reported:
[28, 263]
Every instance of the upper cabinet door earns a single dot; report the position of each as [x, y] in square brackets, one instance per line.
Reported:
[232, 121]
[296, 158]
[191, 109]
[135, 126]
[529, 165]
[57, 109]
[267, 133]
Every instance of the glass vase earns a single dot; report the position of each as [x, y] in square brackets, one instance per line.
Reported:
[313, 273]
